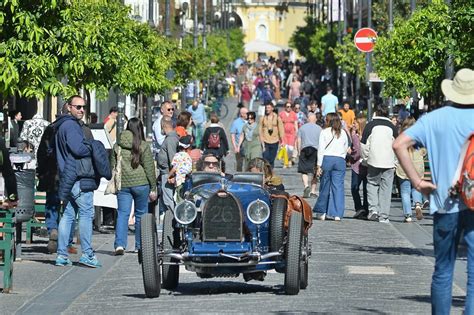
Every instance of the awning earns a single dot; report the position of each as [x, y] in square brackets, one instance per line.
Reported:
[257, 46]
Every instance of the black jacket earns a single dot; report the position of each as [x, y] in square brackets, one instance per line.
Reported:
[224, 144]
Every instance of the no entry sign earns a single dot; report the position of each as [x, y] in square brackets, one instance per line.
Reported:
[364, 39]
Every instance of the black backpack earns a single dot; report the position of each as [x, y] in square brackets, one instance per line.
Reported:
[47, 164]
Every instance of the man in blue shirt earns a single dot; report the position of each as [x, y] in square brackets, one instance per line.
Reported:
[443, 133]
[329, 102]
[235, 133]
[198, 113]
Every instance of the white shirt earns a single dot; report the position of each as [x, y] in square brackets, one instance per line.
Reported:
[330, 145]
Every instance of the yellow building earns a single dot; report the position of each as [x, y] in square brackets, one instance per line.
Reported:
[269, 26]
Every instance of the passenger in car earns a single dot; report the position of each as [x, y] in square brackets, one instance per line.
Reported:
[272, 181]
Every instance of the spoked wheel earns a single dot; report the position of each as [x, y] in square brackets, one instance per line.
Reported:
[293, 254]
[304, 264]
[150, 265]
[170, 241]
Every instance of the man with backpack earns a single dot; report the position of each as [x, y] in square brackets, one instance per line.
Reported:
[48, 180]
[214, 140]
[443, 133]
[77, 182]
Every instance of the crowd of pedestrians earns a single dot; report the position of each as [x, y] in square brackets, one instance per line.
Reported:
[323, 139]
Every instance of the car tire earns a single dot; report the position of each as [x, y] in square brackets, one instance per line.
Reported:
[293, 254]
[170, 241]
[277, 230]
[304, 264]
[149, 258]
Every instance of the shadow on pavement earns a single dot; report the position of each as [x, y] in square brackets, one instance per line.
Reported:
[397, 250]
[458, 301]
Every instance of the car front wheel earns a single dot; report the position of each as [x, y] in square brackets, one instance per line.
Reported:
[293, 254]
[149, 258]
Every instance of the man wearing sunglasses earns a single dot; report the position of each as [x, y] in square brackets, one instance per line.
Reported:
[167, 110]
[76, 192]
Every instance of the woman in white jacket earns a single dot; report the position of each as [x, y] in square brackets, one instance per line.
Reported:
[333, 148]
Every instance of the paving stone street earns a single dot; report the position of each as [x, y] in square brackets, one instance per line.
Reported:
[356, 267]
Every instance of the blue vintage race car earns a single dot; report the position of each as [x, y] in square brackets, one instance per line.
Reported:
[225, 228]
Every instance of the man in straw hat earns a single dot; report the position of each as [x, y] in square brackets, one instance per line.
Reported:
[443, 133]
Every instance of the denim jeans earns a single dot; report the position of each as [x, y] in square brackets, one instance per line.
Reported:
[331, 187]
[356, 180]
[52, 208]
[139, 195]
[447, 229]
[270, 153]
[379, 190]
[408, 194]
[82, 203]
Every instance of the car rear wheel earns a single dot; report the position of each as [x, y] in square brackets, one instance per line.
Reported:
[149, 258]
[293, 254]
[304, 264]
[170, 241]
[277, 231]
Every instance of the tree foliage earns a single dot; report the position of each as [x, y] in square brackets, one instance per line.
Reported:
[95, 45]
[314, 42]
[28, 47]
[414, 54]
[348, 57]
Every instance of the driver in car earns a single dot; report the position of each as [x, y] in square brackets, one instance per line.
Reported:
[272, 181]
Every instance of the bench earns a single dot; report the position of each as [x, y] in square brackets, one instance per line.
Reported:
[7, 247]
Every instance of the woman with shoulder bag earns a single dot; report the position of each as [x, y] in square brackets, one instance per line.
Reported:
[138, 181]
[333, 148]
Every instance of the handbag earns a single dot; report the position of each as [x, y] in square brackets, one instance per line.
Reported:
[115, 183]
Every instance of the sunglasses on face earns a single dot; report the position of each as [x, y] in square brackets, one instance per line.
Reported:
[170, 109]
[288, 106]
[208, 163]
[79, 107]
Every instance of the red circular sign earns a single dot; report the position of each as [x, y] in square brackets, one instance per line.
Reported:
[364, 39]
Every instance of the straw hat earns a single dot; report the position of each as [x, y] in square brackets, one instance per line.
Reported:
[460, 90]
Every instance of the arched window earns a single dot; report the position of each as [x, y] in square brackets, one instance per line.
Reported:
[262, 32]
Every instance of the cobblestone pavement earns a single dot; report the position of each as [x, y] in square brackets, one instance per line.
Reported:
[357, 267]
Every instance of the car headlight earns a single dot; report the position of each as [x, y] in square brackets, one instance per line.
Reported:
[258, 212]
[185, 212]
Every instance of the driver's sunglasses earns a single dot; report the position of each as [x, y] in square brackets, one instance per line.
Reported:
[209, 163]
[79, 107]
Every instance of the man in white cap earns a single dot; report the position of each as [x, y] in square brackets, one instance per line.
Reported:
[443, 133]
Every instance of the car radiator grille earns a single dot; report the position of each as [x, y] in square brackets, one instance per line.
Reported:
[222, 218]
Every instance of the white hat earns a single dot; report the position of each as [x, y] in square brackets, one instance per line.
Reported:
[460, 90]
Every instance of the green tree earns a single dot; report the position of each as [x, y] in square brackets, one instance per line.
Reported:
[314, 42]
[102, 48]
[414, 54]
[28, 47]
[348, 57]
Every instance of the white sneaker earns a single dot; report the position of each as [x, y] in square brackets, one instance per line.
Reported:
[337, 219]
[320, 216]
[408, 219]
[119, 251]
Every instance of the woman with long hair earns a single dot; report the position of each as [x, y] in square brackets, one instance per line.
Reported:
[331, 167]
[408, 193]
[138, 181]
[290, 125]
[358, 171]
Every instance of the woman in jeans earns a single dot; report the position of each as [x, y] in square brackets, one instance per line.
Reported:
[333, 148]
[138, 182]
[359, 171]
